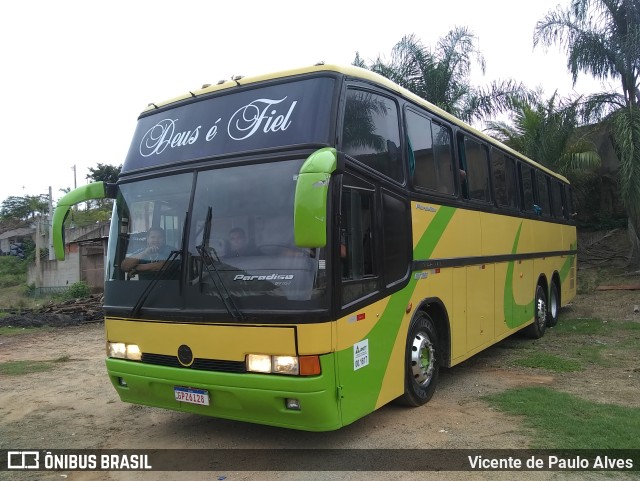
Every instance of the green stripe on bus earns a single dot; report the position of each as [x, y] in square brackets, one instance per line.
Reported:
[369, 380]
[566, 267]
[520, 313]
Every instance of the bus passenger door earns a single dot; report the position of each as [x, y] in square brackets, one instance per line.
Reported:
[359, 278]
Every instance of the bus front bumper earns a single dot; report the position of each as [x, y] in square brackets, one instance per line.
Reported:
[249, 397]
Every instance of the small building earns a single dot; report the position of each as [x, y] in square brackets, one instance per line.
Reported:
[85, 251]
[14, 236]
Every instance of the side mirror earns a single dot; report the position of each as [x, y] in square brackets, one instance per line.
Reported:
[310, 202]
[96, 190]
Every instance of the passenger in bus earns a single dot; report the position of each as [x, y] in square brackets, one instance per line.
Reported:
[239, 246]
[146, 262]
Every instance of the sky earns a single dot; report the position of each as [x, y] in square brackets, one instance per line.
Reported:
[76, 74]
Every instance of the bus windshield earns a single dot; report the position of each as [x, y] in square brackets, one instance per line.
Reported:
[238, 248]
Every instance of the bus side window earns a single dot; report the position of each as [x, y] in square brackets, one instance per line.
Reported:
[429, 156]
[505, 182]
[474, 170]
[527, 188]
[356, 241]
[569, 213]
[396, 231]
[542, 181]
[371, 132]
[556, 199]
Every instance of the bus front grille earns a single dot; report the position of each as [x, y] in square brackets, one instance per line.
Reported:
[198, 364]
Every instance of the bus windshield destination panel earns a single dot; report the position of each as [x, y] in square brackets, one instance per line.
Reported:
[301, 248]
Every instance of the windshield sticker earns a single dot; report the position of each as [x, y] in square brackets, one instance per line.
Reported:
[270, 277]
[360, 354]
[245, 120]
[242, 125]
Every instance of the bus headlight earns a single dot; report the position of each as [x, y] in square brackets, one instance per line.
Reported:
[285, 365]
[258, 363]
[120, 350]
[290, 365]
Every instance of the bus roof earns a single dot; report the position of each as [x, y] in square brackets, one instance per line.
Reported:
[354, 72]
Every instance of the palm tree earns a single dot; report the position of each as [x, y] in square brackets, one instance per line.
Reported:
[602, 38]
[547, 132]
[441, 75]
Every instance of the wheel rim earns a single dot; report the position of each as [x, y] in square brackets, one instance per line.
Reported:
[553, 307]
[541, 312]
[422, 358]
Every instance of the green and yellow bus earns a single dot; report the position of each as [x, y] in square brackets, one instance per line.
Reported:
[301, 248]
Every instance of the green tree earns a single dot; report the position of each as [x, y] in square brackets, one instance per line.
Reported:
[442, 75]
[602, 38]
[104, 173]
[547, 132]
[24, 208]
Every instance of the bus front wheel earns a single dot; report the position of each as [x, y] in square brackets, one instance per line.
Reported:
[421, 361]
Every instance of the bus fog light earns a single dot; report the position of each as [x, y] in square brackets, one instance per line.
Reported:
[116, 349]
[258, 363]
[122, 382]
[285, 365]
[293, 404]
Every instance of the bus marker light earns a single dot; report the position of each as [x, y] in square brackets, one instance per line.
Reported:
[292, 404]
[309, 365]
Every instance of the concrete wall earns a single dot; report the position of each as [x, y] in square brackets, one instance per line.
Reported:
[57, 274]
[84, 260]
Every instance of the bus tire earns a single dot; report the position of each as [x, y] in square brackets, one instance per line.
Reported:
[540, 313]
[554, 305]
[421, 362]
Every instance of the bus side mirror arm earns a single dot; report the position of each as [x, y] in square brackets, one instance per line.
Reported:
[96, 190]
[310, 201]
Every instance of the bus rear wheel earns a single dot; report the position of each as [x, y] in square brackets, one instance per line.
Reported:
[421, 362]
[540, 314]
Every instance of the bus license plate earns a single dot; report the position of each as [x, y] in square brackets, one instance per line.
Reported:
[191, 396]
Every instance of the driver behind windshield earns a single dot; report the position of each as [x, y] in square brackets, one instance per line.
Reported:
[145, 262]
[239, 246]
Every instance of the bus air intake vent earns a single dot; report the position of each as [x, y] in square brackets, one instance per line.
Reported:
[198, 364]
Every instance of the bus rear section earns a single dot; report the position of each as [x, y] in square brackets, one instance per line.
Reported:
[280, 375]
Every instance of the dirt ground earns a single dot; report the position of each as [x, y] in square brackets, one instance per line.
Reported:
[74, 406]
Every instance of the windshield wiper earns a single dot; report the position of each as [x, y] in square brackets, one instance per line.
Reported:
[209, 264]
[168, 262]
[145, 294]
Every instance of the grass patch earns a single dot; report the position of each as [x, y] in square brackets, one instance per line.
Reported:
[18, 368]
[586, 327]
[591, 354]
[562, 421]
[18, 331]
[631, 325]
[550, 362]
[14, 298]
